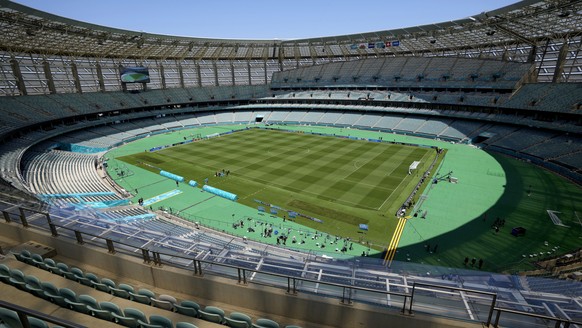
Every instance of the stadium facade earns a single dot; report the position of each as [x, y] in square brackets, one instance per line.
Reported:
[510, 78]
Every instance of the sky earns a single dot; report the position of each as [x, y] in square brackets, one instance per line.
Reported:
[263, 19]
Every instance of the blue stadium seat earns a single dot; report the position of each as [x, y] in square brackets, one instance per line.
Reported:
[122, 290]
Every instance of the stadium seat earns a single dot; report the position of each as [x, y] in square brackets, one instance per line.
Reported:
[236, 323]
[100, 313]
[92, 279]
[212, 314]
[165, 302]
[67, 294]
[292, 326]
[51, 265]
[125, 321]
[63, 269]
[79, 276]
[122, 290]
[111, 307]
[24, 256]
[38, 261]
[77, 306]
[185, 325]
[108, 283]
[188, 308]
[37, 323]
[33, 285]
[4, 273]
[51, 293]
[17, 279]
[89, 301]
[238, 320]
[265, 323]
[159, 320]
[10, 318]
[143, 296]
[136, 314]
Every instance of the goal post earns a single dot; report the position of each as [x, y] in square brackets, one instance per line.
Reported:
[413, 166]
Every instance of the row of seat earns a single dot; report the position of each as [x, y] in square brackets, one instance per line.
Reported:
[10, 319]
[85, 304]
[144, 295]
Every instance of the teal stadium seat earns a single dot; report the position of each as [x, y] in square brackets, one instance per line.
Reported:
[17, 279]
[37, 323]
[212, 314]
[63, 269]
[51, 293]
[238, 320]
[51, 265]
[165, 302]
[10, 318]
[4, 273]
[185, 325]
[24, 256]
[33, 285]
[265, 323]
[38, 261]
[189, 308]
[122, 290]
[111, 307]
[159, 320]
[136, 314]
[125, 321]
[143, 296]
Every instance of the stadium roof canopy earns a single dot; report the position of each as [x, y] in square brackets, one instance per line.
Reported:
[530, 30]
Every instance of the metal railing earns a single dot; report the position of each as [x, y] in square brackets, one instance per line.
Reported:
[344, 292]
[23, 314]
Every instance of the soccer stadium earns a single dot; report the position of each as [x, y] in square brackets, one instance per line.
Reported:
[427, 176]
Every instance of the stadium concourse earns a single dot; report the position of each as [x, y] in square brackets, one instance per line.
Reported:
[486, 231]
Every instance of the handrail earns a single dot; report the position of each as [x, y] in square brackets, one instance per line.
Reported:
[559, 321]
[24, 313]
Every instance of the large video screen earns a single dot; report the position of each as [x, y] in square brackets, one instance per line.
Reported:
[135, 75]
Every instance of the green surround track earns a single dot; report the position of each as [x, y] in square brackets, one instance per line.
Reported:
[459, 215]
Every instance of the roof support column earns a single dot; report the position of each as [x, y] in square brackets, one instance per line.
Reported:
[181, 76]
[198, 75]
[560, 62]
[265, 68]
[76, 79]
[215, 68]
[532, 54]
[249, 71]
[162, 76]
[18, 75]
[232, 73]
[49, 77]
[99, 72]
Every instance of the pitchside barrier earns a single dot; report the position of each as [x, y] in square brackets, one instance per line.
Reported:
[220, 192]
[172, 176]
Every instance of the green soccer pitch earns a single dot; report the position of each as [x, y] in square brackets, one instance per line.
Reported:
[340, 181]
[348, 182]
